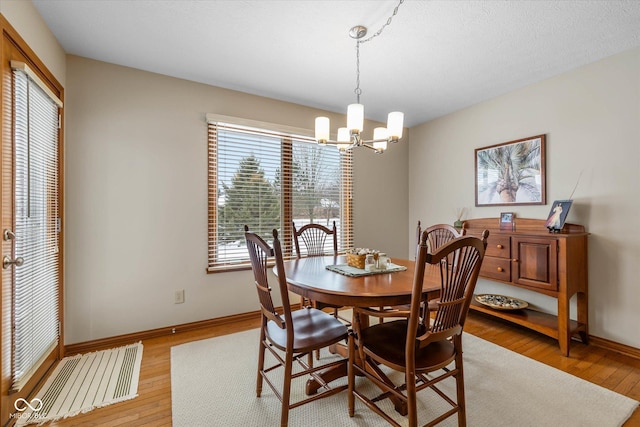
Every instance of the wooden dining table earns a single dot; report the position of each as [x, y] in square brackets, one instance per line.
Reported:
[310, 278]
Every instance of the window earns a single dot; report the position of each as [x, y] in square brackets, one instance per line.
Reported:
[266, 176]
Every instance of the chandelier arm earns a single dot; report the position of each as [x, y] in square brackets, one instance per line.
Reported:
[371, 147]
[356, 141]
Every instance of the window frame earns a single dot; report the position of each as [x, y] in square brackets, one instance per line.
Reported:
[287, 135]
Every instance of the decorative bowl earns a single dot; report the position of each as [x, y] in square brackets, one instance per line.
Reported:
[501, 302]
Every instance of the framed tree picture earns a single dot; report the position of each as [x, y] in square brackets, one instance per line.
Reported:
[511, 173]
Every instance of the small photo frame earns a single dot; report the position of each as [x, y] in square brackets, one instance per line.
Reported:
[506, 220]
[558, 215]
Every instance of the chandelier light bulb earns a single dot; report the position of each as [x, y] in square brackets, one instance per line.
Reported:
[355, 118]
[395, 122]
[322, 129]
[380, 136]
[344, 139]
[343, 135]
[380, 133]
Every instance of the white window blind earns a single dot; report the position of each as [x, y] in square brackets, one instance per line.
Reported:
[36, 282]
[266, 179]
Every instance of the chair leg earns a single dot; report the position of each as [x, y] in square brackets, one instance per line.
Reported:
[412, 410]
[286, 390]
[351, 375]
[261, 352]
[462, 411]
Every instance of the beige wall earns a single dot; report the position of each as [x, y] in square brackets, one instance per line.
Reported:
[591, 117]
[26, 20]
[136, 197]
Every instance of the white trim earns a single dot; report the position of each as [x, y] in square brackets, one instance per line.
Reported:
[219, 118]
[18, 65]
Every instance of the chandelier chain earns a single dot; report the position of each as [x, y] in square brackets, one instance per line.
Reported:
[386, 24]
[357, 90]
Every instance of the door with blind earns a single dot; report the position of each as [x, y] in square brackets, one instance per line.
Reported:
[36, 230]
[31, 212]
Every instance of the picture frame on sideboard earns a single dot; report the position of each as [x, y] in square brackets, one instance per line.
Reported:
[506, 221]
[558, 215]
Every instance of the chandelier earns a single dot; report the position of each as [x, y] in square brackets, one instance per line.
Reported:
[350, 137]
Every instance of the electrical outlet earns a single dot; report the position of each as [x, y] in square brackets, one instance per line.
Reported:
[178, 298]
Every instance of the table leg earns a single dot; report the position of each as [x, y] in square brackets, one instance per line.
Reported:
[399, 405]
[327, 376]
[340, 371]
[335, 372]
[332, 373]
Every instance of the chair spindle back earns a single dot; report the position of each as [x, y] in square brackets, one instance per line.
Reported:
[459, 263]
[440, 234]
[259, 253]
[314, 237]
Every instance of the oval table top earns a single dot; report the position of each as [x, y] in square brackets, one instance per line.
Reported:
[309, 278]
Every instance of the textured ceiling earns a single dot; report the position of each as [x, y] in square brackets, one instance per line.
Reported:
[434, 58]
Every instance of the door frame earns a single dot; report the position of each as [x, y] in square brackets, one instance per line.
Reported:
[13, 47]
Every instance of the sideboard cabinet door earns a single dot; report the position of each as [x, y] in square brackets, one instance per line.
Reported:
[535, 262]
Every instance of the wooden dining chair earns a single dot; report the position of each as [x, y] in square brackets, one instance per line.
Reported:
[413, 345]
[437, 236]
[311, 240]
[290, 336]
[314, 238]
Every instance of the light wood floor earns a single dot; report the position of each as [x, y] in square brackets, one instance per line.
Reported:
[153, 405]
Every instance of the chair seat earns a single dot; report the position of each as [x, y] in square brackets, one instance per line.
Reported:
[387, 341]
[312, 329]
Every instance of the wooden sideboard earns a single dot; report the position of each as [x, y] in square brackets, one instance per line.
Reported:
[528, 256]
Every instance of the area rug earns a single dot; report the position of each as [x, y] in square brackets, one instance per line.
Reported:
[213, 383]
[84, 382]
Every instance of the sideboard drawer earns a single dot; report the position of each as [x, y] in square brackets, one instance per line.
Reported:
[496, 268]
[498, 246]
